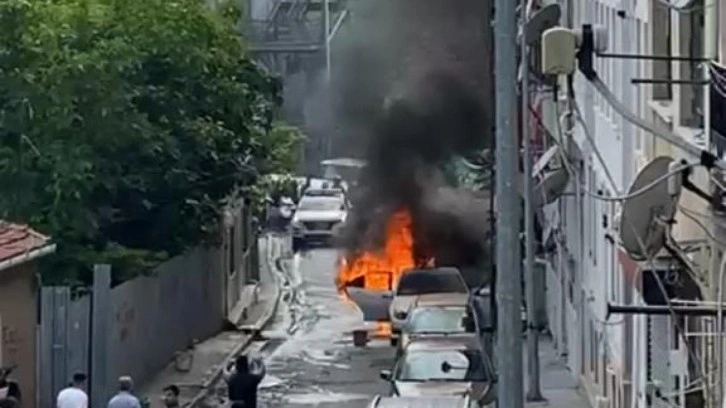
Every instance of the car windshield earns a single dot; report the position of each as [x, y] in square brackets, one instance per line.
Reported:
[320, 204]
[442, 365]
[433, 281]
[437, 320]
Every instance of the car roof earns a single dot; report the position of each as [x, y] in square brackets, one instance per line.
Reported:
[458, 341]
[344, 161]
[442, 299]
[431, 271]
[322, 198]
[323, 192]
[421, 402]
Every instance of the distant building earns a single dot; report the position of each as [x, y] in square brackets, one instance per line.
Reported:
[20, 247]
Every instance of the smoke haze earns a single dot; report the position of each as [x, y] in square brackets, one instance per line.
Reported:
[410, 91]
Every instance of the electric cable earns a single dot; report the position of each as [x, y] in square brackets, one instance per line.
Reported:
[706, 157]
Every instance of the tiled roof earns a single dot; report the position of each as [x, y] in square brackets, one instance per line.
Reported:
[15, 240]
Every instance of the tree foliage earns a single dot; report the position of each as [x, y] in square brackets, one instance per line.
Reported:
[124, 125]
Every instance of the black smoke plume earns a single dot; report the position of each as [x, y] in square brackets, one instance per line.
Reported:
[410, 93]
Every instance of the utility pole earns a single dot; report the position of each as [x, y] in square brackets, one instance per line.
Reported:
[509, 263]
[326, 28]
[533, 390]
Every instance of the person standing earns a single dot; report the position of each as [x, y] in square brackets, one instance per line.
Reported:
[124, 398]
[8, 387]
[73, 396]
[242, 383]
[171, 396]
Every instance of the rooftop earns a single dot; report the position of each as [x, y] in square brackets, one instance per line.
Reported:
[17, 240]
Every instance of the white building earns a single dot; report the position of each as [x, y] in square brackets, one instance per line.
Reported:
[632, 360]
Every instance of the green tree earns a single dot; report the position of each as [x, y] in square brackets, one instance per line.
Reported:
[125, 124]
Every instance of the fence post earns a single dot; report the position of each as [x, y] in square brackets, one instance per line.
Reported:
[100, 316]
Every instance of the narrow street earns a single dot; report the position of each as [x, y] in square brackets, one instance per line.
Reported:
[309, 348]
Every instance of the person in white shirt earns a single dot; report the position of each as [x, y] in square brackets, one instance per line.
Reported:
[73, 396]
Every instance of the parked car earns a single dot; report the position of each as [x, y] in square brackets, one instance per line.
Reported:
[420, 282]
[433, 320]
[380, 401]
[317, 218]
[452, 365]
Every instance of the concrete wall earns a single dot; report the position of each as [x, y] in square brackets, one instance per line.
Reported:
[18, 314]
[153, 317]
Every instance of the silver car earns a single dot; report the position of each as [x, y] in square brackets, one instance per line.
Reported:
[420, 402]
[317, 218]
[415, 283]
[433, 321]
[443, 366]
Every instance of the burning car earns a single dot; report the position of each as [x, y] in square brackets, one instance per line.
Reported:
[369, 278]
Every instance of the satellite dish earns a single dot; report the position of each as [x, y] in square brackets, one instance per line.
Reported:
[544, 160]
[550, 188]
[641, 222]
[541, 20]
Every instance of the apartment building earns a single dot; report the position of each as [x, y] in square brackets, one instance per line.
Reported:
[636, 360]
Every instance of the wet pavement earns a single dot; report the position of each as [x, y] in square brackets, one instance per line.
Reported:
[308, 349]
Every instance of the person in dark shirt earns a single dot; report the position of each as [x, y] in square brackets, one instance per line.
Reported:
[9, 388]
[242, 384]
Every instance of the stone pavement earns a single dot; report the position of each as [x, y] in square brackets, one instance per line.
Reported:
[559, 385]
[208, 356]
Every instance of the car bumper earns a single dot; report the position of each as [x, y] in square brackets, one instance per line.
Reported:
[312, 234]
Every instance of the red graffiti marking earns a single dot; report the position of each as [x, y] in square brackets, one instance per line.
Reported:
[11, 340]
[125, 318]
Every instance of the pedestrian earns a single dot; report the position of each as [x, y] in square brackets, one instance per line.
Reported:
[9, 402]
[124, 398]
[9, 388]
[171, 396]
[73, 396]
[242, 383]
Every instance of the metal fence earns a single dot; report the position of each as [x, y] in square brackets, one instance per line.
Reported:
[148, 319]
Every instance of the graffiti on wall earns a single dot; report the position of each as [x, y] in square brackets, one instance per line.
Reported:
[125, 317]
[11, 342]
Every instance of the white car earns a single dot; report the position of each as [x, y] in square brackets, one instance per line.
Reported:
[452, 365]
[380, 401]
[415, 283]
[317, 218]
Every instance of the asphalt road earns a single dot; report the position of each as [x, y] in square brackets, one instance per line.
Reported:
[309, 352]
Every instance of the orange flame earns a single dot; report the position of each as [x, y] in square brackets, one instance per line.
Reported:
[381, 270]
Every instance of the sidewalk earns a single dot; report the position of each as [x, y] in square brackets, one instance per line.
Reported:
[210, 355]
[559, 385]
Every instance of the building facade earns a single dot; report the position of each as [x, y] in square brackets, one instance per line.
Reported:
[20, 247]
[634, 360]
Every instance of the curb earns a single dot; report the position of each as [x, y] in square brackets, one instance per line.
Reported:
[252, 329]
